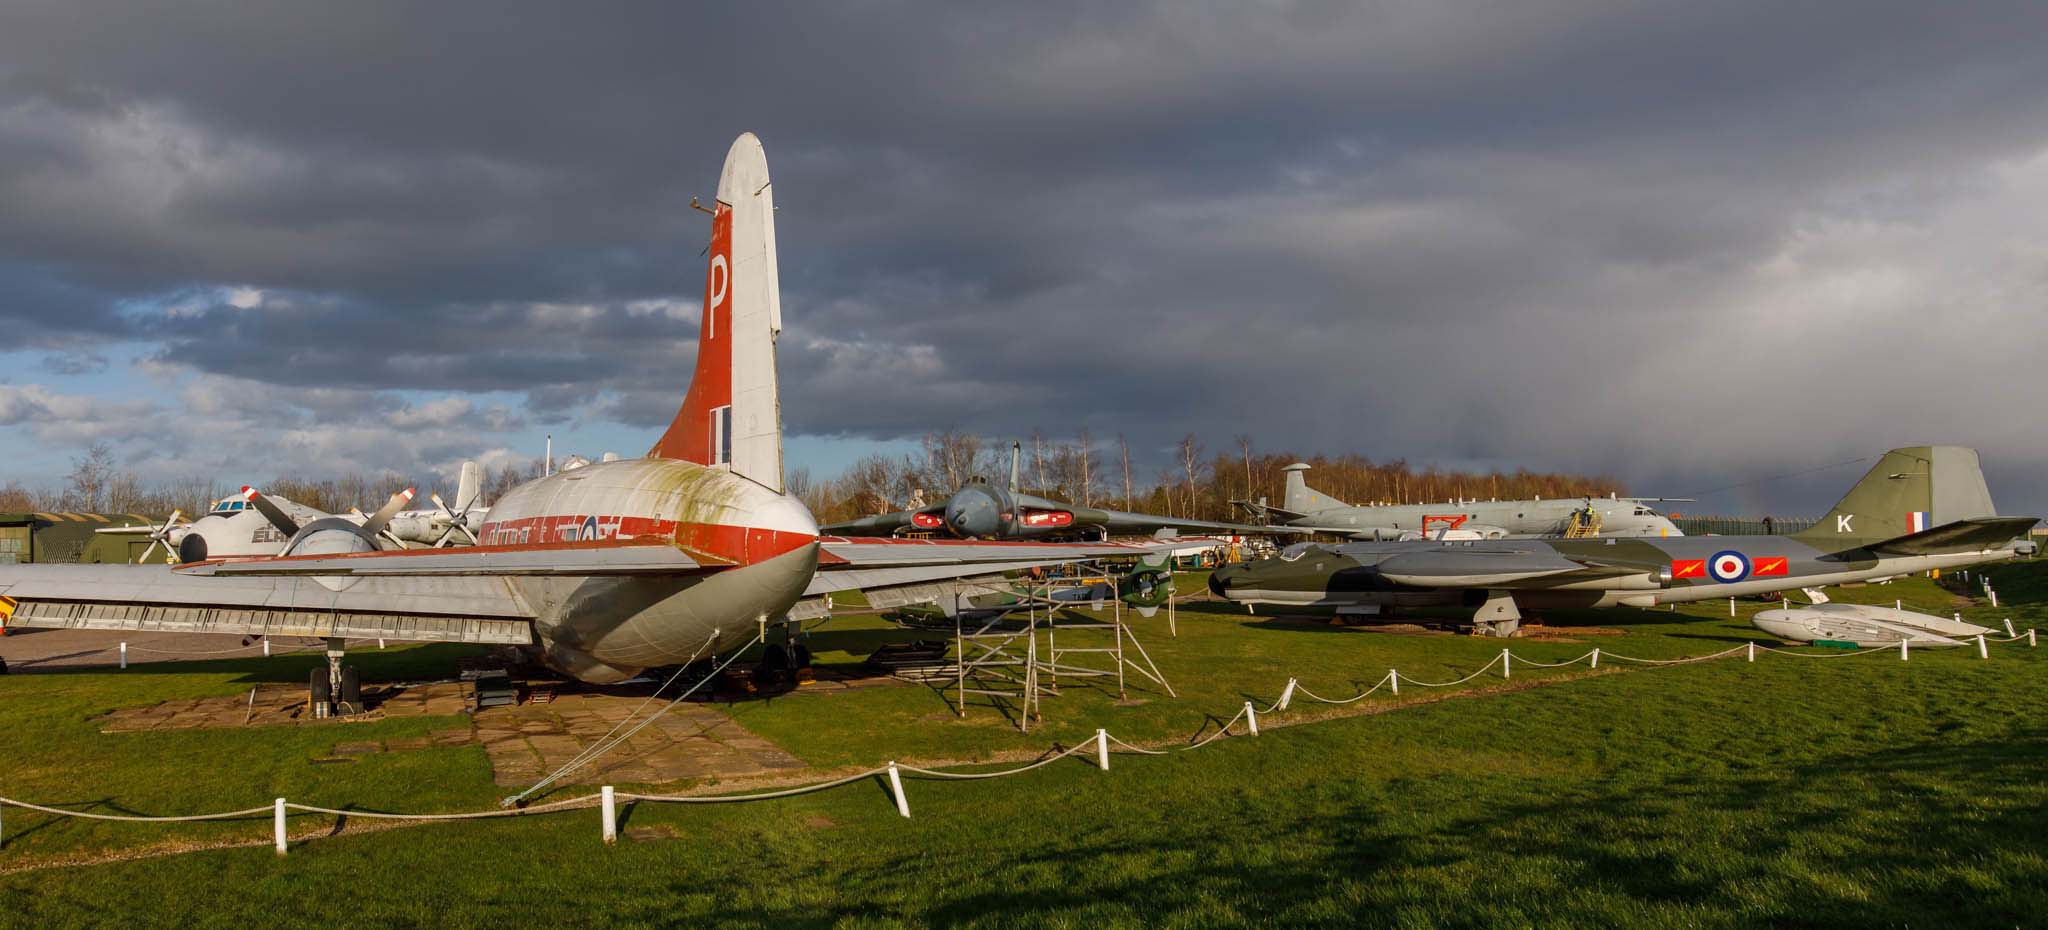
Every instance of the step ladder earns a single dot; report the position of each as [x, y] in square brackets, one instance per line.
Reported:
[1582, 524]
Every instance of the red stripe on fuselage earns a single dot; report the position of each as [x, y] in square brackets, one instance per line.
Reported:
[737, 545]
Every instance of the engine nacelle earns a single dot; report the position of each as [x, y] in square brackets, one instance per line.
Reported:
[330, 536]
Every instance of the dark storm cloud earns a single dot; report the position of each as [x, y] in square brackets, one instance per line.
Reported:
[1672, 241]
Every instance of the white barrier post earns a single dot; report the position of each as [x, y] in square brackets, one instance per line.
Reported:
[380, 642]
[1596, 656]
[266, 646]
[1505, 672]
[611, 815]
[1102, 749]
[1394, 675]
[896, 788]
[1286, 695]
[1898, 604]
[2009, 630]
[1983, 651]
[1752, 650]
[2030, 636]
[124, 655]
[277, 825]
[1902, 650]
[1784, 603]
[1731, 607]
[1994, 595]
[1251, 717]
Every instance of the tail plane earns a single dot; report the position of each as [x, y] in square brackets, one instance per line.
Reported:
[732, 416]
[1302, 499]
[1910, 493]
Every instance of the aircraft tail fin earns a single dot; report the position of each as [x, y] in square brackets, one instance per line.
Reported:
[468, 487]
[1908, 492]
[1302, 499]
[732, 417]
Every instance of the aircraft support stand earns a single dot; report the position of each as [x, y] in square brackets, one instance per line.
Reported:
[1498, 616]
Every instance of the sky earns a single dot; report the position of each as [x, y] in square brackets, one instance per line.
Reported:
[1691, 245]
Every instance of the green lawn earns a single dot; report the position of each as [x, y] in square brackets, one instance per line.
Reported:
[1853, 791]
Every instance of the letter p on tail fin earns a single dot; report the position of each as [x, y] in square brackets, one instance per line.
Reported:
[732, 416]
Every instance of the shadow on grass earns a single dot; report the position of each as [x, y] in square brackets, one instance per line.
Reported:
[1884, 838]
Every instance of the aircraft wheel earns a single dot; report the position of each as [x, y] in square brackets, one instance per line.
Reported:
[318, 688]
[351, 689]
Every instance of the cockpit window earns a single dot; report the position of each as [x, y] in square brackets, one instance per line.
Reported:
[1297, 550]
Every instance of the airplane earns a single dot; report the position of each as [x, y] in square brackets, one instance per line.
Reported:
[1306, 508]
[982, 510]
[1919, 508]
[599, 572]
[235, 527]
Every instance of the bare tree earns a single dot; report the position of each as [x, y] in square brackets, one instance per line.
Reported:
[89, 478]
[1123, 447]
[1190, 452]
[1087, 470]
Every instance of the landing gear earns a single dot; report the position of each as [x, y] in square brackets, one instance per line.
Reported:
[335, 690]
[787, 662]
[1498, 616]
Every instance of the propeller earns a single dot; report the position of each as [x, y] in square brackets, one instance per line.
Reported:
[386, 534]
[375, 523]
[457, 522]
[270, 511]
[161, 537]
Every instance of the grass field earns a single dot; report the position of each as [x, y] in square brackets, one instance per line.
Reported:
[1853, 791]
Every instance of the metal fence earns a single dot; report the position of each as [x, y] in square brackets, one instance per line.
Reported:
[1742, 526]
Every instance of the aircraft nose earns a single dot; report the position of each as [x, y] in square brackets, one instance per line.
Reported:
[971, 512]
[1222, 578]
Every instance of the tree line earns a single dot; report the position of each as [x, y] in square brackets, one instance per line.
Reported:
[1199, 483]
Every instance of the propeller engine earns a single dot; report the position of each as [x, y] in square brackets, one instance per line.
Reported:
[161, 536]
[329, 535]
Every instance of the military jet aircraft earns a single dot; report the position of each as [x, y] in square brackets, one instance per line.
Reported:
[1919, 508]
[601, 571]
[1306, 508]
[982, 510]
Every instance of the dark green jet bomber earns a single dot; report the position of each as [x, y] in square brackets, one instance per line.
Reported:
[1918, 508]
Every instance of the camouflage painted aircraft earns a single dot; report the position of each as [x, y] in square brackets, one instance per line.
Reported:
[981, 510]
[1919, 508]
[1306, 508]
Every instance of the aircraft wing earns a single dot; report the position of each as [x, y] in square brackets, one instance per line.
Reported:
[861, 563]
[414, 595]
[1475, 567]
[877, 525]
[1117, 521]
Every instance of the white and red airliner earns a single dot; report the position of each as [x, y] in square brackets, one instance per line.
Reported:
[604, 570]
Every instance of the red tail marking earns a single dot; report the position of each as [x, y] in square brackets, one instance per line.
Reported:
[689, 437]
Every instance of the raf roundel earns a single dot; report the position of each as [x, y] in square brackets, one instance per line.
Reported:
[1728, 566]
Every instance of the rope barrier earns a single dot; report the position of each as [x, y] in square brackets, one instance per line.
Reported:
[1311, 695]
[132, 818]
[1445, 684]
[607, 798]
[1531, 662]
[931, 773]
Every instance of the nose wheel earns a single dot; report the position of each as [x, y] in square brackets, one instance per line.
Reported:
[787, 662]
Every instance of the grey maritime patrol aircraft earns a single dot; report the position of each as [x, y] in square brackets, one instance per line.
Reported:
[1919, 508]
[1306, 508]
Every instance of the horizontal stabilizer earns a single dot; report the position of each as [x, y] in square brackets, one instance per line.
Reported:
[1960, 536]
